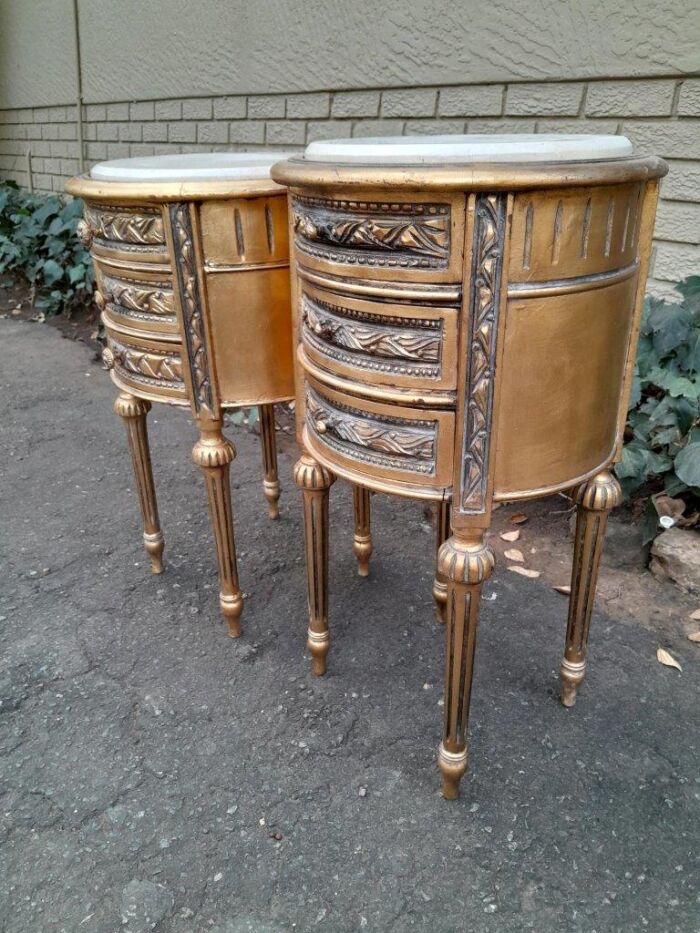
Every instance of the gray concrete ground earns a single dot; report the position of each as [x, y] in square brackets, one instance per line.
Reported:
[157, 775]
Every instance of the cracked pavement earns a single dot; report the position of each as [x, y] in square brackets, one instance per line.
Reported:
[155, 774]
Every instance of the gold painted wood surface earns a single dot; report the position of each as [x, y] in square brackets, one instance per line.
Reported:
[539, 307]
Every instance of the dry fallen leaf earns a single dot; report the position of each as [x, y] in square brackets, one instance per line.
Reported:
[665, 658]
[694, 636]
[514, 554]
[524, 572]
[564, 590]
[519, 518]
[693, 615]
[513, 536]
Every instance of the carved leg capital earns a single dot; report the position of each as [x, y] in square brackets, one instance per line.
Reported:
[315, 481]
[133, 411]
[362, 541]
[594, 500]
[465, 564]
[214, 453]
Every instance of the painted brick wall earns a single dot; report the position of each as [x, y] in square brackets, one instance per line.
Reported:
[661, 116]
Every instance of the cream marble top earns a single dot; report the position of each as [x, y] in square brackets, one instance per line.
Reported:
[482, 148]
[196, 166]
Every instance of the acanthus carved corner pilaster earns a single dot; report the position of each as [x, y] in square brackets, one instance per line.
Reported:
[486, 268]
[191, 304]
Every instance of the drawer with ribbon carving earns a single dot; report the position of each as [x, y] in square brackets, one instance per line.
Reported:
[152, 368]
[399, 352]
[420, 239]
[126, 234]
[132, 298]
[401, 447]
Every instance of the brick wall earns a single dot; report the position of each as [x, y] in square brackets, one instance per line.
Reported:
[661, 116]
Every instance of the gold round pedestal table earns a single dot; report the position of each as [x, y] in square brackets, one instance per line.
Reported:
[192, 265]
[466, 320]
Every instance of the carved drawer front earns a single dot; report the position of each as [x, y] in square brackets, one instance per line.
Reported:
[245, 231]
[405, 448]
[419, 240]
[131, 234]
[132, 298]
[379, 344]
[574, 232]
[150, 368]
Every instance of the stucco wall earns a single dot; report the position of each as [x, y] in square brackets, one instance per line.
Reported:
[37, 53]
[133, 50]
[173, 75]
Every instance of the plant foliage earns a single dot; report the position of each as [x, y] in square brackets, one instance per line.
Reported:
[38, 242]
[662, 450]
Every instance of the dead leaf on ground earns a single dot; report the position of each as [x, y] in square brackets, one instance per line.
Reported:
[514, 554]
[564, 590]
[665, 658]
[693, 615]
[524, 571]
[513, 536]
[694, 636]
[519, 518]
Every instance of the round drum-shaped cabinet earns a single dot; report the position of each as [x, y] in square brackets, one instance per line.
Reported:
[467, 311]
[191, 258]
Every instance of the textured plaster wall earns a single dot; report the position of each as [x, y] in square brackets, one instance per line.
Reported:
[37, 53]
[136, 50]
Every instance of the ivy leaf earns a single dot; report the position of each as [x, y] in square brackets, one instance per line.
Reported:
[76, 273]
[670, 326]
[687, 464]
[51, 271]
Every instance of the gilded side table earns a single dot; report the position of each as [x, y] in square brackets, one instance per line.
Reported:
[192, 264]
[466, 320]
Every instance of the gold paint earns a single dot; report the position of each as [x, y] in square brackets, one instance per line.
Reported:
[362, 540]
[545, 292]
[594, 501]
[181, 334]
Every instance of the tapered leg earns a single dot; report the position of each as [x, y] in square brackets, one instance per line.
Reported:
[315, 481]
[133, 411]
[213, 453]
[594, 500]
[362, 542]
[442, 531]
[465, 563]
[271, 484]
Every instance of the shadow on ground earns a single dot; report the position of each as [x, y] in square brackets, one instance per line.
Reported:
[157, 775]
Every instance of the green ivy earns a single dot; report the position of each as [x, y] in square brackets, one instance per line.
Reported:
[38, 242]
[662, 450]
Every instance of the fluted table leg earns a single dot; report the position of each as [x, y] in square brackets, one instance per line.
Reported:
[315, 481]
[133, 412]
[465, 562]
[594, 500]
[213, 453]
[362, 541]
[268, 441]
[442, 531]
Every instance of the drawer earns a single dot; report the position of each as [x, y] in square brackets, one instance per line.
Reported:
[379, 343]
[137, 299]
[150, 368]
[405, 449]
[131, 234]
[422, 239]
[245, 231]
